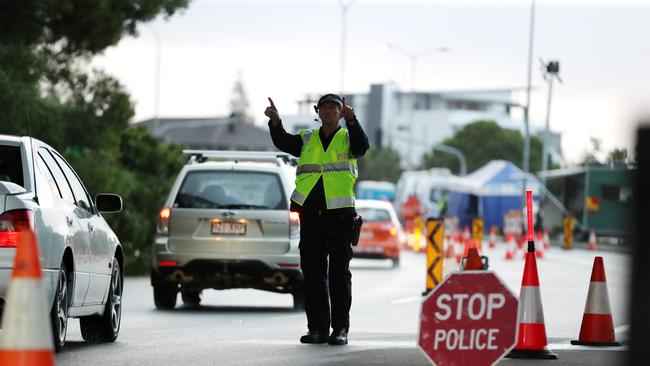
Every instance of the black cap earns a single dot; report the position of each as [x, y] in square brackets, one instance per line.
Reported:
[330, 98]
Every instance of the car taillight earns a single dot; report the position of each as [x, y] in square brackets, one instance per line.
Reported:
[294, 224]
[163, 220]
[11, 223]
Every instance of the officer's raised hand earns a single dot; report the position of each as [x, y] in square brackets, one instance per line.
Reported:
[347, 112]
[272, 112]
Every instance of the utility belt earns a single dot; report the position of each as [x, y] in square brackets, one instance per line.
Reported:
[357, 220]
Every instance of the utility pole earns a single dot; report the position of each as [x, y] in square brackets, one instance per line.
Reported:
[550, 71]
[344, 34]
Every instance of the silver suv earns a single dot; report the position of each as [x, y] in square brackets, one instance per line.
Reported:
[226, 224]
[81, 257]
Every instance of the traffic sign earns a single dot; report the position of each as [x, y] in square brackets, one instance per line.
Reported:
[435, 252]
[469, 319]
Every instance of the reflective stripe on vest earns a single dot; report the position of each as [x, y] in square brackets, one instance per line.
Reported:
[340, 202]
[342, 166]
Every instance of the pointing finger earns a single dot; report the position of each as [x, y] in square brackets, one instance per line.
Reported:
[344, 102]
[272, 104]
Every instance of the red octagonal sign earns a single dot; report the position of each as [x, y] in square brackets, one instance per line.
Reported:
[468, 319]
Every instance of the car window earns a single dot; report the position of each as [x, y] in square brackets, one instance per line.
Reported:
[11, 165]
[78, 190]
[373, 214]
[48, 175]
[62, 183]
[231, 189]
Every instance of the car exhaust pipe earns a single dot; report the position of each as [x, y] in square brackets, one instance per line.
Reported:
[181, 277]
[278, 278]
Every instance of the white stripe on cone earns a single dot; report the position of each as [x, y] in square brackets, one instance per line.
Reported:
[25, 320]
[597, 299]
[530, 305]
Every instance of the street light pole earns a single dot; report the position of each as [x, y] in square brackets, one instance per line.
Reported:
[526, 157]
[344, 34]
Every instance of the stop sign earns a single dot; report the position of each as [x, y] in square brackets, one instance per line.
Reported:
[469, 319]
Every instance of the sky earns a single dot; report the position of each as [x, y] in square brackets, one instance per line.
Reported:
[285, 49]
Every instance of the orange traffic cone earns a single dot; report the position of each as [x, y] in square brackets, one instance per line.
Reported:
[531, 339]
[449, 247]
[510, 246]
[592, 241]
[597, 328]
[520, 242]
[459, 247]
[546, 239]
[27, 335]
[492, 242]
[473, 261]
[539, 245]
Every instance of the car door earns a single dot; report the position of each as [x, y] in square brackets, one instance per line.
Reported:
[77, 237]
[100, 255]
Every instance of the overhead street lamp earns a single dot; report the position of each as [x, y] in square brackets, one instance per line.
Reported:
[413, 56]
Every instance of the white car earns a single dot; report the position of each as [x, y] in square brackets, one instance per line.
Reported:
[81, 258]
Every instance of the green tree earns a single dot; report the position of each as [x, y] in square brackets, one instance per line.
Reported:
[481, 142]
[380, 164]
[45, 48]
[617, 156]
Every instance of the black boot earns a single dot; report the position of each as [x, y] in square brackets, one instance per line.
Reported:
[314, 337]
[338, 337]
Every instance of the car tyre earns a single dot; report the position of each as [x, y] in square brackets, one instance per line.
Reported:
[60, 309]
[106, 327]
[164, 296]
[191, 298]
[395, 262]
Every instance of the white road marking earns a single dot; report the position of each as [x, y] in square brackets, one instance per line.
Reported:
[568, 346]
[622, 328]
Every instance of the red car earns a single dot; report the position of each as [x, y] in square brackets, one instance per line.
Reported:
[382, 235]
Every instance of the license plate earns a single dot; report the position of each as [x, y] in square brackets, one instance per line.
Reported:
[228, 228]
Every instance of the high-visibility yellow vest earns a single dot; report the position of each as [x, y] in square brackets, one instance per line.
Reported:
[337, 166]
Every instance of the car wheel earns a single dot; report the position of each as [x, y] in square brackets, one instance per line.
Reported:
[164, 296]
[106, 328]
[59, 311]
[191, 298]
[395, 262]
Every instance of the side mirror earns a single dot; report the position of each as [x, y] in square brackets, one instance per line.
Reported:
[108, 202]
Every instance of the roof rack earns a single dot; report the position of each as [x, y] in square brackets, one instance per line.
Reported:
[201, 156]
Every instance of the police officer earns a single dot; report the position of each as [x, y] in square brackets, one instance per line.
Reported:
[324, 199]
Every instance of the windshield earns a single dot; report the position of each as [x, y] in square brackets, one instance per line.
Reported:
[374, 214]
[231, 189]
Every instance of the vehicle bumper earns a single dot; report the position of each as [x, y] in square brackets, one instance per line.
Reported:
[49, 282]
[278, 273]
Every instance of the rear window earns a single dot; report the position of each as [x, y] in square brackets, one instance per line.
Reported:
[374, 214]
[231, 189]
[11, 165]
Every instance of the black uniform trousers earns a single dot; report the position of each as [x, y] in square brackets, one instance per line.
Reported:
[326, 235]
